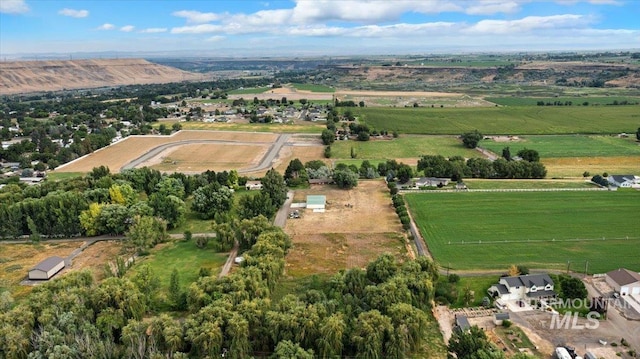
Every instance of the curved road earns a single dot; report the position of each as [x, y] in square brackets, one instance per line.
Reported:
[265, 162]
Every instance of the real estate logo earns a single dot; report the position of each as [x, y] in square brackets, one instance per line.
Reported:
[571, 318]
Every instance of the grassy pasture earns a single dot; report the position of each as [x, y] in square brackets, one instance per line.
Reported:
[522, 120]
[569, 146]
[536, 229]
[313, 88]
[250, 90]
[185, 257]
[403, 147]
[576, 101]
[575, 166]
[522, 184]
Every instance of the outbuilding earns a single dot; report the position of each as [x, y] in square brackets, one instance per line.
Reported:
[47, 268]
[624, 281]
[317, 203]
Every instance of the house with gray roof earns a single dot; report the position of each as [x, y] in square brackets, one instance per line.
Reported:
[624, 181]
[47, 268]
[523, 287]
[624, 281]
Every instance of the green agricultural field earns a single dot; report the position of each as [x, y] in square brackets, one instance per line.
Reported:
[403, 147]
[526, 184]
[492, 230]
[521, 120]
[569, 146]
[184, 256]
[575, 101]
[313, 88]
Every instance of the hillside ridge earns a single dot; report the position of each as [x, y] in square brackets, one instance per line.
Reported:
[55, 75]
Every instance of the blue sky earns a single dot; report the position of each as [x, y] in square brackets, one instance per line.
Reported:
[315, 27]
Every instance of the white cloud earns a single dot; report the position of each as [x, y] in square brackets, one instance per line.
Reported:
[197, 29]
[154, 30]
[197, 17]
[74, 13]
[13, 6]
[127, 28]
[216, 38]
[529, 23]
[106, 26]
[488, 7]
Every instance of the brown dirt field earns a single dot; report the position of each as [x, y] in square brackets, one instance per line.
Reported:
[575, 166]
[344, 237]
[397, 94]
[17, 259]
[96, 256]
[289, 92]
[119, 154]
[197, 158]
[303, 153]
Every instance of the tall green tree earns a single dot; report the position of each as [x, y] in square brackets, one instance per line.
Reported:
[212, 199]
[471, 139]
[296, 174]
[274, 186]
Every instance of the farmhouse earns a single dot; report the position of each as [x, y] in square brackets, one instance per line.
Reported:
[523, 287]
[431, 182]
[253, 185]
[316, 202]
[47, 268]
[624, 281]
[624, 181]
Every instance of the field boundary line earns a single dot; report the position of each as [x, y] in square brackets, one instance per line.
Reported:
[541, 240]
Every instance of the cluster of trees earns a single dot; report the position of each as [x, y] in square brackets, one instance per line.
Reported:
[267, 201]
[598, 179]
[474, 344]
[456, 167]
[401, 208]
[569, 287]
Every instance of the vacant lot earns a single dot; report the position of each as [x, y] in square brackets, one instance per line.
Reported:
[197, 158]
[536, 229]
[403, 147]
[569, 146]
[344, 236]
[303, 153]
[121, 153]
[504, 120]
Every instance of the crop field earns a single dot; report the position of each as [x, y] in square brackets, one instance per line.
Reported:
[357, 226]
[569, 146]
[576, 166]
[474, 183]
[403, 147]
[575, 101]
[522, 120]
[313, 88]
[492, 230]
[411, 98]
[118, 154]
[249, 90]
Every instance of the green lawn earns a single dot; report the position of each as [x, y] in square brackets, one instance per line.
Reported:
[520, 120]
[313, 88]
[249, 90]
[193, 222]
[569, 146]
[185, 257]
[403, 147]
[492, 230]
[61, 176]
[575, 101]
[520, 184]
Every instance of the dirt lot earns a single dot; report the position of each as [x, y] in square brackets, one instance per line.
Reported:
[119, 154]
[96, 256]
[197, 158]
[344, 236]
[288, 92]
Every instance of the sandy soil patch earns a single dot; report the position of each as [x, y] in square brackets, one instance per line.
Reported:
[504, 138]
[576, 166]
[17, 259]
[118, 154]
[197, 158]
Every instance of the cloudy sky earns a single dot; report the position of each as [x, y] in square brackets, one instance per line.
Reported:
[315, 27]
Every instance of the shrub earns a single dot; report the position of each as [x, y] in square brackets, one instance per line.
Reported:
[453, 278]
[506, 323]
[188, 235]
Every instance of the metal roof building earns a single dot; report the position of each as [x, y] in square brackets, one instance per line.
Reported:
[47, 268]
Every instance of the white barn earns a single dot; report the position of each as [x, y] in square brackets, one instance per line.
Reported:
[47, 268]
[316, 203]
[624, 281]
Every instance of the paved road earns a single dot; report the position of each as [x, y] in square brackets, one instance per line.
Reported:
[283, 212]
[271, 155]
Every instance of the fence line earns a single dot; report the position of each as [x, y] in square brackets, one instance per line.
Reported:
[539, 240]
[501, 190]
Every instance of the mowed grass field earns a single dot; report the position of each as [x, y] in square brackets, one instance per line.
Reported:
[522, 120]
[312, 88]
[535, 229]
[403, 147]
[569, 146]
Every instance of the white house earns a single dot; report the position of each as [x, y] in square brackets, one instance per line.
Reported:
[524, 287]
[47, 268]
[431, 182]
[624, 181]
[253, 185]
[624, 281]
[316, 203]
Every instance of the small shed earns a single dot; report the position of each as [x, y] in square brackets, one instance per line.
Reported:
[462, 323]
[317, 203]
[499, 318]
[47, 268]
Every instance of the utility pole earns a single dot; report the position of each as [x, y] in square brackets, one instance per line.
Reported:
[568, 265]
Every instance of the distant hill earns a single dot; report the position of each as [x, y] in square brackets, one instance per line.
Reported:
[40, 76]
